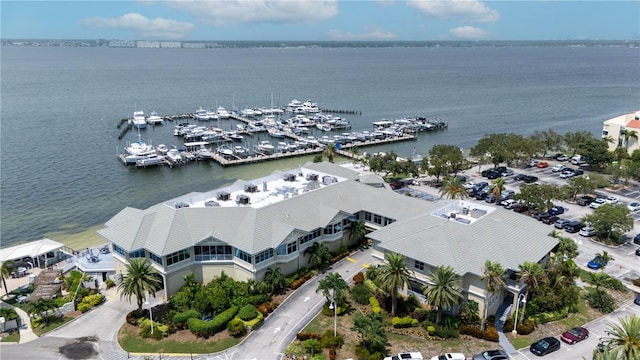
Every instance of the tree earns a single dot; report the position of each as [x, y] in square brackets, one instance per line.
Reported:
[579, 185]
[628, 135]
[605, 258]
[444, 160]
[334, 282]
[319, 255]
[531, 274]
[371, 330]
[443, 289]
[609, 220]
[330, 151]
[624, 338]
[549, 140]
[5, 272]
[392, 275]
[575, 140]
[453, 188]
[141, 279]
[41, 307]
[493, 273]
[275, 280]
[357, 232]
[596, 152]
[539, 196]
[497, 187]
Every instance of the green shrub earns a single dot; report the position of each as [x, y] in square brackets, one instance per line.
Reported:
[375, 305]
[329, 341]
[601, 301]
[302, 336]
[8, 313]
[360, 294]
[371, 286]
[358, 278]
[447, 333]
[312, 346]
[430, 329]
[181, 318]
[248, 312]
[491, 334]
[204, 329]
[257, 299]
[508, 325]
[548, 317]
[255, 323]
[236, 328]
[404, 322]
[109, 283]
[159, 330]
[83, 308]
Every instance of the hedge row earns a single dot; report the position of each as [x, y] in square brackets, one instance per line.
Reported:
[404, 322]
[248, 312]
[375, 305]
[182, 317]
[201, 328]
[490, 334]
[301, 280]
[548, 317]
[90, 301]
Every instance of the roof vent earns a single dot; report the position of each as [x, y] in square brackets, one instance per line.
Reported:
[211, 203]
[250, 188]
[289, 177]
[242, 199]
[181, 204]
[312, 177]
[223, 196]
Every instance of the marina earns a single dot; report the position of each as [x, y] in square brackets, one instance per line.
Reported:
[238, 137]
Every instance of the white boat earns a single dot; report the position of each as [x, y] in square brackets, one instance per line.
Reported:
[283, 147]
[265, 147]
[323, 127]
[162, 149]
[276, 132]
[248, 112]
[224, 150]
[139, 121]
[155, 119]
[202, 115]
[204, 153]
[222, 113]
[150, 160]
[240, 151]
[175, 157]
[233, 135]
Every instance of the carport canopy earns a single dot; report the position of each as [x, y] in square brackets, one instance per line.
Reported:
[32, 249]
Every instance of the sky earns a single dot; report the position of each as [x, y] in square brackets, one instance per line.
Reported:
[321, 20]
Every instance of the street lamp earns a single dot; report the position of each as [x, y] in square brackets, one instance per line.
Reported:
[523, 299]
[334, 307]
[150, 313]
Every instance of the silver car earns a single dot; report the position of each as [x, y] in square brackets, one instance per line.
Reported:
[491, 355]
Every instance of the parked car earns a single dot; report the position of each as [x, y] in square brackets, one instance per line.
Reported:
[638, 252]
[636, 239]
[396, 185]
[558, 168]
[637, 299]
[449, 356]
[574, 335]
[506, 194]
[490, 198]
[491, 355]
[573, 226]
[533, 163]
[562, 157]
[577, 172]
[519, 177]
[469, 185]
[551, 219]
[545, 346]
[539, 215]
[595, 263]
[405, 356]
[507, 203]
[520, 208]
[494, 174]
[612, 200]
[498, 170]
[586, 200]
[556, 210]
[542, 165]
[507, 172]
[559, 224]
[530, 179]
[566, 173]
[587, 231]
[634, 206]
[481, 195]
[597, 203]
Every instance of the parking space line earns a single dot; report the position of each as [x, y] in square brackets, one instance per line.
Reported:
[525, 356]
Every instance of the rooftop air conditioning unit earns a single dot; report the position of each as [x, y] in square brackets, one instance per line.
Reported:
[312, 177]
[181, 204]
[289, 177]
[211, 203]
[242, 199]
[327, 180]
[223, 196]
[250, 188]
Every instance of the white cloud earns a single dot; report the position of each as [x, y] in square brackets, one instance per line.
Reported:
[238, 12]
[373, 34]
[157, 28]
[469, 33]
[467, 10]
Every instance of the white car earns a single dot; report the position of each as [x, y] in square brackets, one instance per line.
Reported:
[406, 356]
[634, 206]
[587, 231]
[612, 200]
[449, 356]
[558, 168]
[469, 185]
[597, 203]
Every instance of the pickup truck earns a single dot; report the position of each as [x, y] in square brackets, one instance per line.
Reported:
[406, 356]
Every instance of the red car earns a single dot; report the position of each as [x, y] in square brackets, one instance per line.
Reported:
[575, 335]
[543, 164]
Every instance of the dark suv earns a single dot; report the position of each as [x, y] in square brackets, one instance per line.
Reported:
[585, 200]
[573, 226]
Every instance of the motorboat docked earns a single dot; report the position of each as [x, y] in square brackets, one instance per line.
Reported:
[265, 147]
[240, 151]
[154, 119]
[235, 136]
[151, 160]
[202, 115]
[276, 132]
[222, 113]
[224, 150]
[139, 121]
[323, 127]
[162, 149]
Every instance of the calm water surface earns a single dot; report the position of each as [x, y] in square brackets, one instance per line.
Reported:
[60, 107]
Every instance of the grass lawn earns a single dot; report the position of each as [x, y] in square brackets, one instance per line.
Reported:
[13, 337]
[53, 324]
[130, 341]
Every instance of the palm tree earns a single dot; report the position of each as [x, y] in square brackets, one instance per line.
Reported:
[354, 151]
[371, 330]
[41, 307]
[493, 273]
[329, 151]
[357, 231]
[453, 188]
[141, 279]
[628, 134]
[529, 273]
[333, 282]
[275, 280]
[605, 258]
[624, 338]
[600, 279]
[319, 255]
[443, 289]
[497, 187]
[5, 272]
[392, 275]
